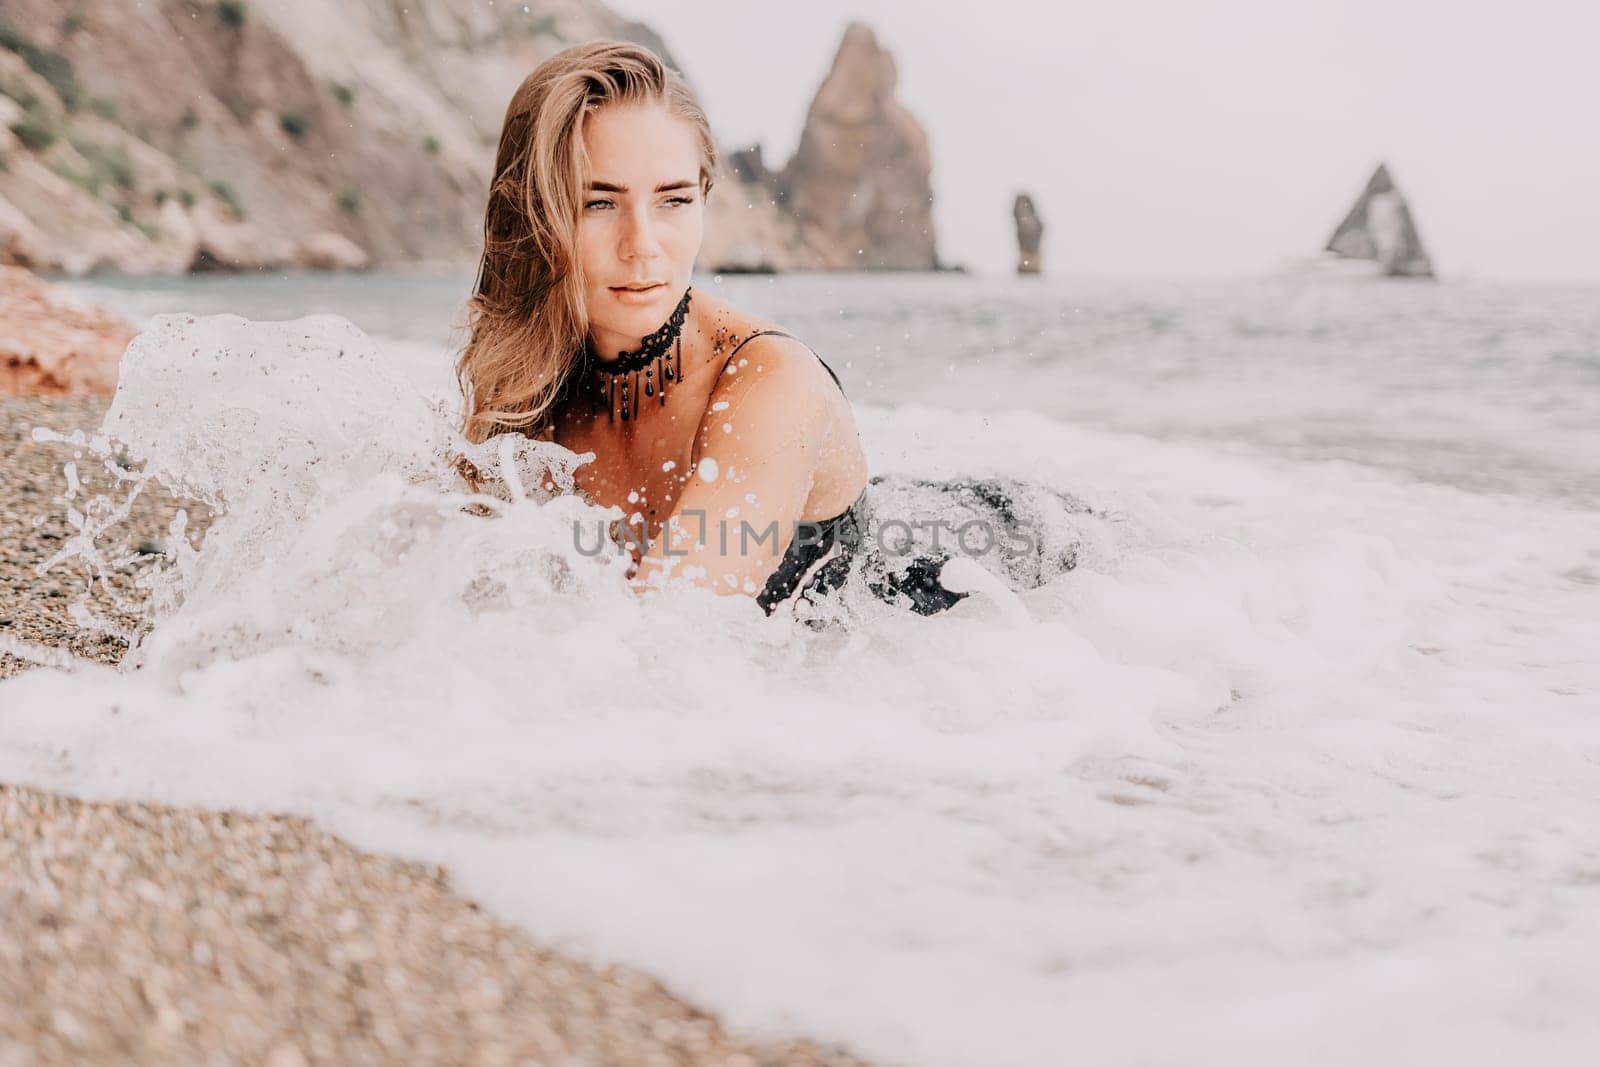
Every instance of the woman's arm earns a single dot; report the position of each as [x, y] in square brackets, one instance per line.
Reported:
[760, 446]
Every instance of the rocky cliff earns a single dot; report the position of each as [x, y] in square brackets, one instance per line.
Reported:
[192, 134]
[174, 135]
[859, 182]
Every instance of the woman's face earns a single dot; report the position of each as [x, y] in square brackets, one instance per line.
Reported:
[641, 222]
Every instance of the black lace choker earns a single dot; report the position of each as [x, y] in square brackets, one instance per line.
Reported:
[619, 379]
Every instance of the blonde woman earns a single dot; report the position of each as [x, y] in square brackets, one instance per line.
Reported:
[727, 442]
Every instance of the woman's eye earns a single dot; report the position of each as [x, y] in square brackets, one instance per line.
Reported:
[673, 201]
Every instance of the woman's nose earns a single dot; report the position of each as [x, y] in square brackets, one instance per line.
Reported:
[639, 236]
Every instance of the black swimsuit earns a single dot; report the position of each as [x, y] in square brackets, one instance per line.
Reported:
[916, 586]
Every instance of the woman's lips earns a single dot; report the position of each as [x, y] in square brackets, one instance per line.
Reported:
[637, 295]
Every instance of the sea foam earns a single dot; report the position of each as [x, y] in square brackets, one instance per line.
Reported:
[1299, 760]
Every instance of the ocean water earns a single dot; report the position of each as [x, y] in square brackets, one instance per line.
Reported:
[1301, 763]
[1476, 385]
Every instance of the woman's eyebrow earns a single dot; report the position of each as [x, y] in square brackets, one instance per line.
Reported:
[664, 187]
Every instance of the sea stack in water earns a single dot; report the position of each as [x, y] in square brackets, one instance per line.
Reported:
[859, 182]
[1029, 232]
[1379, 228]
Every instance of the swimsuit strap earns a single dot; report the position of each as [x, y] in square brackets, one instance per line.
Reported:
[790, 336]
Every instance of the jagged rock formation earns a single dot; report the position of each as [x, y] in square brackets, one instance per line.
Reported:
[747, 230]
[52, 344]
[748, 166]
[858, 183]
[1379, 228]
[176, 135]
[1030, 231]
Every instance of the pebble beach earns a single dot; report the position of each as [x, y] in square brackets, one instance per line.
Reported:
[137, 933]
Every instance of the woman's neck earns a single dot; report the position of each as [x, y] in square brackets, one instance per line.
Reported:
[696, 337]
[694, 346]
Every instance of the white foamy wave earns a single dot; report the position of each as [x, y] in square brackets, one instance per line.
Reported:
[1293, 742]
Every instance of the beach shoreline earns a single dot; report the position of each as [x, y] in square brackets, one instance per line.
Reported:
[144, 933]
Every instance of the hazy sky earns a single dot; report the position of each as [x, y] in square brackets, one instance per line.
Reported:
[1167, 137]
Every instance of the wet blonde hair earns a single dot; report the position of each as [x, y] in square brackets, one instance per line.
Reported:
[527, 317]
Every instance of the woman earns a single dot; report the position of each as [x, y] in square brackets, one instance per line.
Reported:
[728, 444]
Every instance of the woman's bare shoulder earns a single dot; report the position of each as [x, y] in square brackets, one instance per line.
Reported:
[774, 358]
[752, 351]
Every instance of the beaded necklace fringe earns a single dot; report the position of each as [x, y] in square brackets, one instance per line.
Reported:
[659, 358]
